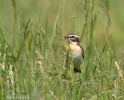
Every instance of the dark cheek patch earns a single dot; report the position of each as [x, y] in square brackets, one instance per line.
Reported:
[75, 39]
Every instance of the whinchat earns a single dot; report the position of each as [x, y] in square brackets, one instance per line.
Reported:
[76, 51]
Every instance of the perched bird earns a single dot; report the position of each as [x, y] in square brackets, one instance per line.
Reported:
[76, 51]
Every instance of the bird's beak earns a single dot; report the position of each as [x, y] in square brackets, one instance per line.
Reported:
[65, 37]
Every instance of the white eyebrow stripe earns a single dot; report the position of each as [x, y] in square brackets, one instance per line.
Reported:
[74, 35]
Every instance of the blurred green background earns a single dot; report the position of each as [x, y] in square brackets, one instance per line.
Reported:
[38, 11]
[33, 55]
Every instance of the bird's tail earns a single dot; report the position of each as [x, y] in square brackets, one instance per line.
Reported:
[77, 70]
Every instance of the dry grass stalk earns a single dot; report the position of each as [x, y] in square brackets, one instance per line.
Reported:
[119, 70]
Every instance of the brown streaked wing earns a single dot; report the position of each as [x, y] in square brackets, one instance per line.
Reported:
[81, 49]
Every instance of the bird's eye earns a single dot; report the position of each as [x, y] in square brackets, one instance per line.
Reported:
[72, 36]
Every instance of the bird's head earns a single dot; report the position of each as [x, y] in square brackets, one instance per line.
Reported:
[72, 38]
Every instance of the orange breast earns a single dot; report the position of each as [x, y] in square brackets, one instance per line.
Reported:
[76, 53]
[75, 49]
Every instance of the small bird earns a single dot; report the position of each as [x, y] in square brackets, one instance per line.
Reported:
[76, 51]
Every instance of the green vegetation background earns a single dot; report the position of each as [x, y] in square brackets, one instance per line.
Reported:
[32, 53]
